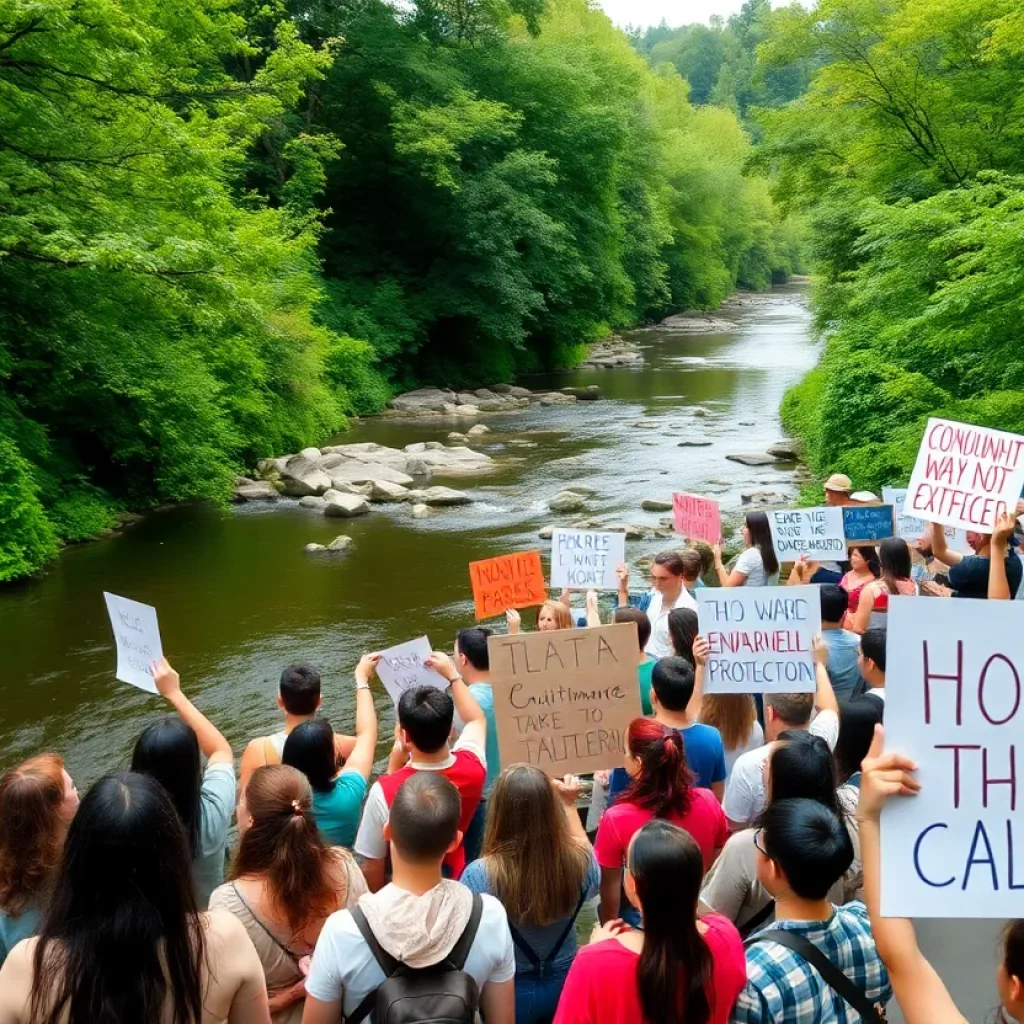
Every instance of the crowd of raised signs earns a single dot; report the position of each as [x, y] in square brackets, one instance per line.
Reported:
[731, 852]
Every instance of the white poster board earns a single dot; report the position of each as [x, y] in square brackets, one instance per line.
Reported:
[761, 638]
[136, 638]
[402, 667]
[910, 528]
[965, 476]
[954, 706]
[586, 559]
[815, 532]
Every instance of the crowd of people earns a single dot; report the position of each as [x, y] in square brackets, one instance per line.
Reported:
[732, 858]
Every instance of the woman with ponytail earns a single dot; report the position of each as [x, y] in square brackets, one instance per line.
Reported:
[286, 882]
[661, 786]
[677, 970]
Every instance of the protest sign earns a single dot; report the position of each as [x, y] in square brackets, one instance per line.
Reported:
[564, 699]
[867, 524]
[815, 532]
[696, 518]
[401, 668]
[965, 476]
[910, 528]
[953, 706]
[760, 638]
[586, 559]
[137, 639]
[508, 581]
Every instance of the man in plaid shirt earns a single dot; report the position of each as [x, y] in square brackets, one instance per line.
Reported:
[803, 848]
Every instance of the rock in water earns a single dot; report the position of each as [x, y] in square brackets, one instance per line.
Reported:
[440, 497]
[415, 448]
[752, 459]
[457, 437]
[254, 490]
[384, 491]
[581, 489]
[546, 532]
[477, 429]
[567, 502]
[313, 454]
[345, 505]
[656, 505]
[301, 476]
[694, 444]
[312, 549]
[340, 543]
[788, 451]
[312, 501]
[420, 511]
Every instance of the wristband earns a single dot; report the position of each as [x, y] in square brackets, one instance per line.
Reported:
[362, 686]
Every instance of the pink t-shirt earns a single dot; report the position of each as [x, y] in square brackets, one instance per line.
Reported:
[601, 987]
[705, 821]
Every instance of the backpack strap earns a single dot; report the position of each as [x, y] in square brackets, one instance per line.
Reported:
[531, 954]
[457, 957]
[832, 976]
[757, 920]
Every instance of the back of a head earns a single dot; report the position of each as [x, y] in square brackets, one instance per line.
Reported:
[857, 721]
[300, 689]
[792, 708]
[310, 748]
[761, 538]
[672, 680]
[872, 645]
[682, 631]
[424, 819]
[834, 602]
[894, 559]
[693, 564]
[801, 767]
[810, 844]
[426, 714]
[627, 613]
[663, 781]
[472, 643]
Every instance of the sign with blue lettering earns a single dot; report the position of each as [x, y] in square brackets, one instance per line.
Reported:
[866, 523]
[586, 559]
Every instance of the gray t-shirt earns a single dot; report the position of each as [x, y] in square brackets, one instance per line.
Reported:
[751, 565]
[217, 804]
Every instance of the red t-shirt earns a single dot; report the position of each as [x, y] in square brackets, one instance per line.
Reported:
[705, 821]
[601, 987]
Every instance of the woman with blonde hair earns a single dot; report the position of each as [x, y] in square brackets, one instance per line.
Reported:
[734, 715]
[286, 882]
[538, 862]
[550, 615]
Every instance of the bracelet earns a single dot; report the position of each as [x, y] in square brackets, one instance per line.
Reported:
[457, 679]
[362, 686]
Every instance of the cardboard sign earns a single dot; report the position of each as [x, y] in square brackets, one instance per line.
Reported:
[910, 528]
[564, 699]
[954, 706]
[867, 524]
[760, 638]
[586, 559]
[696, 518]
[401, 668]
[815, 532]
[136, 638]
[965, 476]
[508, 581]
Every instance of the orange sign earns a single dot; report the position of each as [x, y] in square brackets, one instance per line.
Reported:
[508, 581]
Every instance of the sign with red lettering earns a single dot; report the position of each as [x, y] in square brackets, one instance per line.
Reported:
[954, 706]
[965, 476]
[508, 581]
[696, 518]
[760, 637]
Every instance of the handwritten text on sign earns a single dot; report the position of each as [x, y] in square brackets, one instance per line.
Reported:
[696, 518]
[957, 848]
[564, 699]
[402, 667]
[508, 581]
[815, 532]
[760, 638]
[586, 559]
[911, 528]
[865, 523]
[137, 639]
[965, 476]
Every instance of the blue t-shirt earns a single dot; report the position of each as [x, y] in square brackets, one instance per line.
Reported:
[484, 696]
[216, 806]
[842, 661]
[705, 756]
[14, 928]
[337, 812]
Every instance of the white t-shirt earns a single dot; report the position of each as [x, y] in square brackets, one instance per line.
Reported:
[745, 796]
[751, 565]
[659, 645]
[753, 741]
[343, 965]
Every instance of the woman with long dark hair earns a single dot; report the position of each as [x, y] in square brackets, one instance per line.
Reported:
[677, 970]
[757, 565]
[873, 606]
[682, 632]
[864, 570]
[121, 941]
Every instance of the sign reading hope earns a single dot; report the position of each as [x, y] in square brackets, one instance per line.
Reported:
[586, 559]
[564, 699]
[953, 705]
[508, 581]
[815, 532]
[696, 518]
[965, 476]
[137, 639]
[760, 638]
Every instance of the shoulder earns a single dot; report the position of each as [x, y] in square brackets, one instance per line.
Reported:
[707, 734]
[604, 955]
[350, 783]
[854, 915]
[723, 938]
[475, 876]
[219, 783]
[219, 771]
[493, 914]
[483, 694]
[751, 764]
[703, 800]
[469, 753]
[222, 926]
[749, 556]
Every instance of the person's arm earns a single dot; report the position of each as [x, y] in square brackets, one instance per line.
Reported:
[940, 549]
[568, 788]
[998, 584]
[701, 652]
[622, 571]
[514, 620]
[725, 578]
[800, 573]
[824, 695]
[212, 743]
[282, 998]
[398, 757]
[316, 1012]
[593, 609]
[370, 848]
[865, 603]
[469, 711]
[498, 1002]
[611, 894]
[361, 758]
[252, 758]
[343, 747]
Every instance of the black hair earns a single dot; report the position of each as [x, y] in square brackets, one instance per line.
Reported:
[300, 690]
[870, 555]
[473, 644]
[627, 613]
[426, 714]
[672, 680]
[168, 751]
[761, 538]
[682, 631]
[872, 646]
[121, 939]
[857, 721]
[894, 558]
[834, 602]
[424, 817]
[309, 747]
[809, 843]
[802, 767]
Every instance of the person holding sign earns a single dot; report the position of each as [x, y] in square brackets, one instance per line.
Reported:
[873, 605]
[1002, 549]
[668, 591]
[551, 615]
[758, 565]
[968, 574]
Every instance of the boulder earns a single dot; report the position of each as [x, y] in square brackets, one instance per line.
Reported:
[645, 425]
[313, 454]
[356, 472]
[441, 497]
[417, 467]
[788, 451]
[546, 532]
[591, 393]
[312, 549]
[340, 543]
[271, 468]
[415, 449]
[477, 429]
[423, 400]
[458, 462]
[516, 442]
[587, 492]
[502, 389]
[632, 532]
[435, 446]
[695, 323]
[694, 444]
[420, 511]
[254, 490]
[300, 477]
[656, 505]
[587, 524]
[556, 398]
[752, 459]
[699, 412]
[345, 505]
[747, 423]
[313, 502]
[763, 498]
[383, 491]
[466, 398]
[457, 437]
[567, 501]
[467, 411]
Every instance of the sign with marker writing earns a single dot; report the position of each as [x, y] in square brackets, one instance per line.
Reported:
[696, 518]
[402, 667]
[965, 476]
[910, 528]
[815, 532]
[136, 638]
[761, 638]
[866, 524]
[954, 707]
[508, 581]
[564, 699]
[586, 559]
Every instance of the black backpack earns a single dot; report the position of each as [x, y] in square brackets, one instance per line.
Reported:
[440, 994]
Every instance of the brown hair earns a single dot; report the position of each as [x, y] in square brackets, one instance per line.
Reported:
[31, 830]
[693, 564]
[284, 848]
[732, 714]
[672, 561]
[1013, 949]
[792, 708]
[563, 617]
[627, 613]
[534, 866]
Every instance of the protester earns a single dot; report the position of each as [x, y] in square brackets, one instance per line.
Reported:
[871, 662]
[865, 568]
[857, 721]
[968, 574]
[645, 663]
[667, 591]
[550, 615]
[683, 631]
[873, 606]
[843, 644]
[418, 920]
[837, 490]
[693, 568]
[734, 715]
[122, 941]
[802, 849]
[1002, 550]
[38, 799]
[661, 786]
[169, 751]
[425, 716]
[757, 565]
[676, 968]
[538, 862]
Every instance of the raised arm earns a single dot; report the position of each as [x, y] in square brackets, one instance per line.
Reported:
[998, 584]
[211, 741]
[472, 715]
[622, 571]
[593, 609]
[824, 695]
[940, 549]
[568, 789]
[726, 578]
[701, 651]
[361, 758]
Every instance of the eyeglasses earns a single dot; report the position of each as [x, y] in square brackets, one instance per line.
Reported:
[759, 842]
